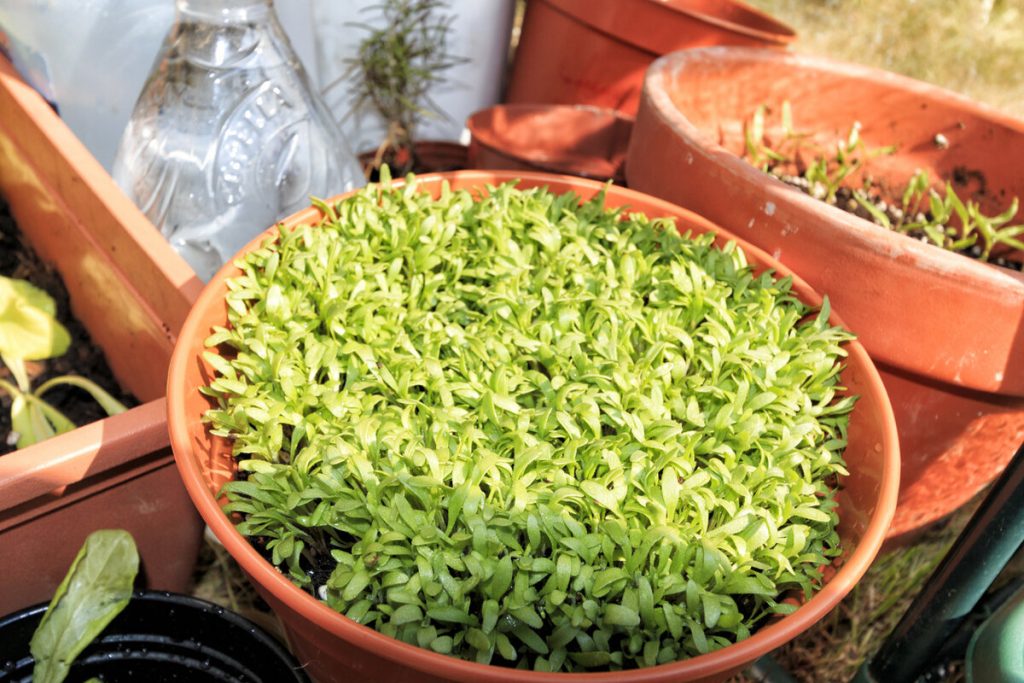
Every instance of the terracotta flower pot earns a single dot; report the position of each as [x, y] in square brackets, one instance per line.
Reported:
[596, 51]
[132, 292]
[573, 139]
[338, 649]
[433, 155]
[947, 331]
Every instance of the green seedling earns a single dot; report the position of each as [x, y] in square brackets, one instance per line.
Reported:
[758, 151]
[943, 218]
[945, 211]
[29, 331]
[96, 589]
[524, 430]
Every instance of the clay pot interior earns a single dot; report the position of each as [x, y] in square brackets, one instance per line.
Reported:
[336, 648]
[578, 140]
[827, 100]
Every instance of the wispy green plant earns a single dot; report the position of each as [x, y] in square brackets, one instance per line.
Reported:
[399, 64]
[758, 151]
[30, 331]
[953, 224]
[524, 430]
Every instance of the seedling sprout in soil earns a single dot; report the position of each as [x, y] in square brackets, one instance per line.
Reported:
[936, 216]
[518, 429]
[44, 350]
[29, 331]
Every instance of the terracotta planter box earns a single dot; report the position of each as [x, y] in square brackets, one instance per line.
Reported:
[947, 331]
[132, 292]
[596, 51]
[337, 649]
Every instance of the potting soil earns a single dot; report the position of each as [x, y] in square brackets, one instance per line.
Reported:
[83, 358]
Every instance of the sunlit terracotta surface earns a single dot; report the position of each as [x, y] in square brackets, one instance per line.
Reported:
[596, 51]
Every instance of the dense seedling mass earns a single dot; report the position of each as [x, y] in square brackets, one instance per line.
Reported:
[521, 430]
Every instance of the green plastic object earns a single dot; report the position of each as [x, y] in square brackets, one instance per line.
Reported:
[996, 652]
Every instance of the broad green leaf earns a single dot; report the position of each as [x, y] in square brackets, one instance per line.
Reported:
[95, 590]
[28, 326]
[617, 615]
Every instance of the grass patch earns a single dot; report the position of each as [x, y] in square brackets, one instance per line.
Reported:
[974, 47]
[834, 649]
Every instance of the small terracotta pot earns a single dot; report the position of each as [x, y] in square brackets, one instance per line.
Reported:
[947, 331]
[434, 156]
[575, 139]
[132, 292]
[596, 51]
[338, 649]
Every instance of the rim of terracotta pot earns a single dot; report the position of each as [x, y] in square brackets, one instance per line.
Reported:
[136, 438]
[629, 20]
[765, 639]
[857, 232]
[494, 129]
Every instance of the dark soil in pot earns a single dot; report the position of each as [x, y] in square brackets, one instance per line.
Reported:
[955, 210]
[17, 260]
[160, 638]
[886, 201]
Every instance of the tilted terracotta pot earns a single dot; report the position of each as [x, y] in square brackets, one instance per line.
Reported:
[340, 650]
[946, 331]
[596, 51]
[590, 142]
[132, 293]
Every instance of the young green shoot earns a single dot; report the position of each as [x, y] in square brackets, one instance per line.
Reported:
[943, 218]
[30, 331]
[96, 589]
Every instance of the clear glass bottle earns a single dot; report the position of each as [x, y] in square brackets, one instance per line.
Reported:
[228, 136]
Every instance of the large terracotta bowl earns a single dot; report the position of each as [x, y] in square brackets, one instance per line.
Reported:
[337, 649]
[946, 331]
